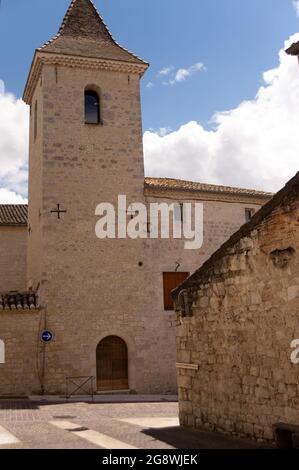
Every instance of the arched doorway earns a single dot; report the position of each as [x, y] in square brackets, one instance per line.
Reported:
[112, 364]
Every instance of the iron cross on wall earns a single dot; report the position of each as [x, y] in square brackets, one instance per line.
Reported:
[58, 211]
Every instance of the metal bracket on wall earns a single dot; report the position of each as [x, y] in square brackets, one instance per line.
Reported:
[185, 303]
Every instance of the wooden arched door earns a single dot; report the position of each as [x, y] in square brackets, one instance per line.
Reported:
[112, 364]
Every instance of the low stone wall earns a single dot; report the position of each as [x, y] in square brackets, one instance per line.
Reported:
[235, 373]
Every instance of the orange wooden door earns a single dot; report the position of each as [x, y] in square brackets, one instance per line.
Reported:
[171, 281]
[112, 364]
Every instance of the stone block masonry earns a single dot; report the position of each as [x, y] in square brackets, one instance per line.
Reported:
[244, 316]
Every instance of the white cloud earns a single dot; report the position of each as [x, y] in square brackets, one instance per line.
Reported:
[10, 197]
[254, 145]
[182, 74]
[149, 85]
[14, 122]
[296, 6]
[166, 70]
[164, 131]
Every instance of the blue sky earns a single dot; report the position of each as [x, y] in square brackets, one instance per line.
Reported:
[237, 40]
[225, 110]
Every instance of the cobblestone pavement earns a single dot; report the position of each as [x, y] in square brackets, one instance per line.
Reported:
[82, 425]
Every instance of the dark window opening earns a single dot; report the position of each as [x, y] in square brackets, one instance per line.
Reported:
[170, 282]
[249, 213]
[92, 107]
[178, 212]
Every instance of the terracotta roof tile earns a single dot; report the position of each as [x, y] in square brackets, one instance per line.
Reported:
[18, 301]
[182, 185]
[84, 33]
[15, 215]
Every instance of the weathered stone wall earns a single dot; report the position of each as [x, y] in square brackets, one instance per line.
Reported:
[36, 145]
[13, 248]
[19, 330]
[221, 219]
[235, 373]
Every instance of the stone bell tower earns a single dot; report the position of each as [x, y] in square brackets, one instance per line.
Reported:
[86, 148]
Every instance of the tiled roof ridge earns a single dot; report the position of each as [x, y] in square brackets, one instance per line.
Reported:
[66, 17]
[245, 230]
[13, 214]
[185, 185]
[16, 214]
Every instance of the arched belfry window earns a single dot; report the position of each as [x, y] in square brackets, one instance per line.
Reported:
[92, 107]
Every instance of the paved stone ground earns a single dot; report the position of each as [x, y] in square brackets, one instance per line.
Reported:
[110, 424]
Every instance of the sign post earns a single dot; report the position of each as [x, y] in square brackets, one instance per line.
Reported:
[47, 336]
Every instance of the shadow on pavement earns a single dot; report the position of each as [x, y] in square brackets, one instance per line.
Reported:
[186, 438]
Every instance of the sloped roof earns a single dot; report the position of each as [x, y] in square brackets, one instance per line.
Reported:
[84, 33]
[182, 185]
[16, 214]
[13, 214]
[289, 190]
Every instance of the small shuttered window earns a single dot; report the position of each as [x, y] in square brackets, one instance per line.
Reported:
[170, 282]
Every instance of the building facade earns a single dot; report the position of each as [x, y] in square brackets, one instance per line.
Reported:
[237, 362]
[97, 297]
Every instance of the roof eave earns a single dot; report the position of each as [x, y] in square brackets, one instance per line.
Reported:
[25, 92]
[41, 56]
[206, 191]
[225, 190]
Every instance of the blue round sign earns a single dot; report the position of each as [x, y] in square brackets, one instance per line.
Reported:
[47, 336]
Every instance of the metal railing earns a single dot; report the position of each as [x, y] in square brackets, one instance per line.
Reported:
[84, 384]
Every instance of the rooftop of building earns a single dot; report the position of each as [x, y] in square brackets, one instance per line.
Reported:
[16, 214]
[192, 186]
[84, 33]
[13, 215]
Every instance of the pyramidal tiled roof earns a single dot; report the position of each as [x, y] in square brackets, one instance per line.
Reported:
[13, 214]
[84, 33]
